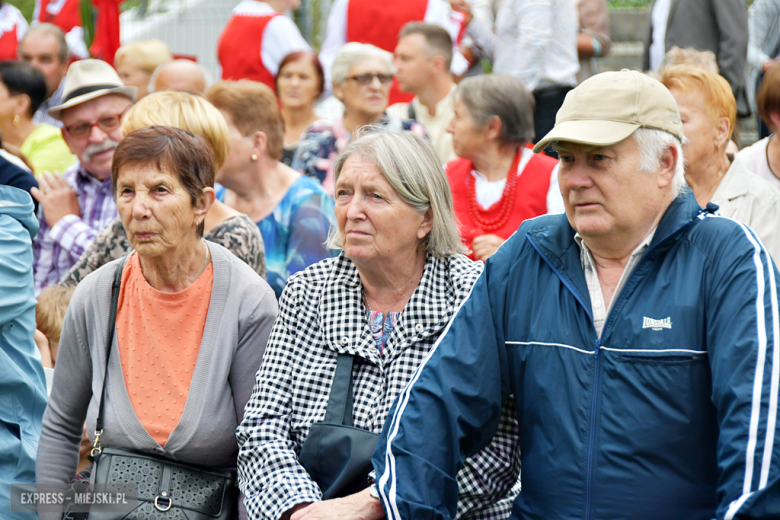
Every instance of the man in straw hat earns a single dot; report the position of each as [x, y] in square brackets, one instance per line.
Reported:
[638, 334]
[76, 205]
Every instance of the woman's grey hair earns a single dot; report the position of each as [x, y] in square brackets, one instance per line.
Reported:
[652, 146]
[489, 95]
[354, 52]
[411, 166]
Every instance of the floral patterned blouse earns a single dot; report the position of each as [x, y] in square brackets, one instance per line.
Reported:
[381, 326]
[295, 232]
[323, 142]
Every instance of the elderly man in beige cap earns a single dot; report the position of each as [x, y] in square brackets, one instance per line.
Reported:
[637, 336]
[76, 205]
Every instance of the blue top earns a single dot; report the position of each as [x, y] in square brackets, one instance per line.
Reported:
[22, 383]
[295, 232]
[671, 413]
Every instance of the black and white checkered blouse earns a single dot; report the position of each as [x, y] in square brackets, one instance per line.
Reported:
[322, 315]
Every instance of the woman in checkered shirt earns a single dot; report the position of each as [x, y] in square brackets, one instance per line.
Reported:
[382, 303]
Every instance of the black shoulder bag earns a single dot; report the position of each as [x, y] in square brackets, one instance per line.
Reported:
[165, 489]
[337, 455]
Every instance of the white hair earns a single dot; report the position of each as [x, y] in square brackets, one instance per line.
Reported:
[652, 146]
[353, 52]
[412, 167]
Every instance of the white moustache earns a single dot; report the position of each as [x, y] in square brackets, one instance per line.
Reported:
[97, 148]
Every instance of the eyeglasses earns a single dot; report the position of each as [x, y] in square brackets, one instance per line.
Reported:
[107, 123]
[366, 79]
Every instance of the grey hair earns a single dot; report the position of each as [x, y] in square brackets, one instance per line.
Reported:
[489, 95]
[412, 167]
[63, 52]
[652, 145]
[353, 52]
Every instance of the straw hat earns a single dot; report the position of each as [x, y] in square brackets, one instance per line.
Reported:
[87, 80]
[609, 107]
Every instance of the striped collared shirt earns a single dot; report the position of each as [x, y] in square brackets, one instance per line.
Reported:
[42, 115]
[57, 249]
[600, 307]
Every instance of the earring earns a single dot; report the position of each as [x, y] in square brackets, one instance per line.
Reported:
[254, 157]
[16, 120]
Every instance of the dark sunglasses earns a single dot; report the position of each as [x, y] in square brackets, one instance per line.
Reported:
[366, 79]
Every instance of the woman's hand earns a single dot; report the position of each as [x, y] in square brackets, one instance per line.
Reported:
[56, 197]
[485, 246]
[360, 506]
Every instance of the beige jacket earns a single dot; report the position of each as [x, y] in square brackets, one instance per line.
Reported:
[747, 198]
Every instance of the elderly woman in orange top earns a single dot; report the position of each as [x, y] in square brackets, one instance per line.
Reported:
[191, 324]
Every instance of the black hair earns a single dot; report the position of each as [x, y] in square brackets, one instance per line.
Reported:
[23, 78]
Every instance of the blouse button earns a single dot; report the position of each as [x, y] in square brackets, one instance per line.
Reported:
[419, 327]
[345, 340]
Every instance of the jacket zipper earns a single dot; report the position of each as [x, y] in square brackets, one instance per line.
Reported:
[592, 438]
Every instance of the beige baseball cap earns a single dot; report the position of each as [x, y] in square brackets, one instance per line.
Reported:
[87, 80]
[609, 107]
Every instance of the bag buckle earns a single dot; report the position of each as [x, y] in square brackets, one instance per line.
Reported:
[97, 448]
[166, 501]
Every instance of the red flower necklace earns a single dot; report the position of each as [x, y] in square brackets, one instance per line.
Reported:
[503, 206]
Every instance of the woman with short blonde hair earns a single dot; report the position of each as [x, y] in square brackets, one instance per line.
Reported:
[222, 225]
[135, 62]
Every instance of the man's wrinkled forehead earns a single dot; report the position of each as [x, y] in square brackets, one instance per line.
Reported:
[110, 103]
[571, 146]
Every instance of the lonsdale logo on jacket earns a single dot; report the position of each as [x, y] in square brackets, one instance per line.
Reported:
[650, 323]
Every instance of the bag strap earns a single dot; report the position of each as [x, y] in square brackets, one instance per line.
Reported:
[339, 409]
[412, 114]
[97, 448]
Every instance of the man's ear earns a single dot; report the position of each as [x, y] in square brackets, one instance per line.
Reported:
[66, 138]
[667, 166]
[438, 65]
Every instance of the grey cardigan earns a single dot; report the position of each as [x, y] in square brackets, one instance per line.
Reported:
[241, 313]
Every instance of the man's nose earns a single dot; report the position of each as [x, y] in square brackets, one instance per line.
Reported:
[97, 135]
[578, 177]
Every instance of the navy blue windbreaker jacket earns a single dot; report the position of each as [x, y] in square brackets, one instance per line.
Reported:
[671, 414]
